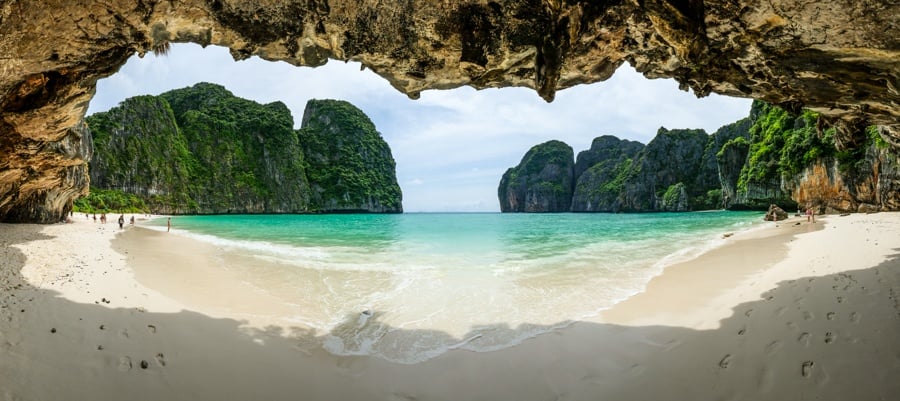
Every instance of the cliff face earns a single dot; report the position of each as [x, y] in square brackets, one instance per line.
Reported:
[733, 144]
[351, 168]
[203, 150]
[668, 172]
[677, 171]
[838, 58]
[865, 179]
[139, 149]
[770, 157]
[542, 182]
[601, 172]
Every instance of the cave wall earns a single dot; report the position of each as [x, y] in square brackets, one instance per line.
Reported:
[838, 58]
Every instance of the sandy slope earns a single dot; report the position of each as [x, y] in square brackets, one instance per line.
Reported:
[798, 311]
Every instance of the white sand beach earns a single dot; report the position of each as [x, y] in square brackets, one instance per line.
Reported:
[790, 312]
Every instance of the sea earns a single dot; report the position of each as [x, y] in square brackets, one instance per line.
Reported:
[409, 287]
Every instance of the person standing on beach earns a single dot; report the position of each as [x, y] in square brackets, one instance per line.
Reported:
[132, 219]
[168, 224]
[121, 221]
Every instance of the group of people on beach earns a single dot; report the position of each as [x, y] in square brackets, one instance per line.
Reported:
[121, 220]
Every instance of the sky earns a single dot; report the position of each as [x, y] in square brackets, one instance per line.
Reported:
[451, 146]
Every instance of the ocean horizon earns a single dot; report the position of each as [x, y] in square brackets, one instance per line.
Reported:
[372, 284]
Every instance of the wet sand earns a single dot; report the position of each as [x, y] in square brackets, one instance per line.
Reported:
[797, 311]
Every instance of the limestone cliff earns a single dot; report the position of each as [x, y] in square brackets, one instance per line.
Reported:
[838, 58]
[140, 150]
[203, 150]
[601, 172]
[350, 166]
[542, 182]
[668, 173]
[677, 171]
[865, 178]
[770, 157]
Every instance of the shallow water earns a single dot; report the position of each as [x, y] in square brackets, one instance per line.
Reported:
[409, 287]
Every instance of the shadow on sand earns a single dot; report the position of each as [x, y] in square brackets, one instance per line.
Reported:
[828, 343]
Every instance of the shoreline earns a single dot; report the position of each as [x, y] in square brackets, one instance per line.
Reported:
[814, 316]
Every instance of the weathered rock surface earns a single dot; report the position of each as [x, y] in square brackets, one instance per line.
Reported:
[542, 182]
[772, 157]
[671, 173]
[601, 172]
[202, 150]
[349, 165]
[668, 170]
[839, 58]
[775, 213]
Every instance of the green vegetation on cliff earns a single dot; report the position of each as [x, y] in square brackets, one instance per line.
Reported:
[203, 150]
[763, 159]
[542, 182]
[781, 145]
[110, 200]
[349, 163]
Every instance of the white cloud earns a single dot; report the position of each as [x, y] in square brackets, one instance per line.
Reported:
[451, 147]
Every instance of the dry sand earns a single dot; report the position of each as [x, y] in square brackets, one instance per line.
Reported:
[798, 311]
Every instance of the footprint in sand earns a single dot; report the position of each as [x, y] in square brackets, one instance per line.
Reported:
[854, 317]
[124, 364]
[748, 312]
[725, 361]
[807, 316]
[773, 347]
[152, 328]
[840, 300]
[742, 331]
[160, 359]
[124, 333]
[806, 368]
[829, 315]
[804, 339]
[829, 338]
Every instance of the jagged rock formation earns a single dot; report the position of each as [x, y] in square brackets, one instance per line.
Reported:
[865, 179]
[838, 58]
[203, 150]
[542, 182]
[669, 173]
[731, 158]
[601, 172]
[771, 158]
[676, 171]
[350, 166]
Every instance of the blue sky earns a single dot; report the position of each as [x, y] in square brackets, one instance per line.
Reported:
[451, 146]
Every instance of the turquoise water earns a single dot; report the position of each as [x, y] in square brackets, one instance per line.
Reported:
[432, 282]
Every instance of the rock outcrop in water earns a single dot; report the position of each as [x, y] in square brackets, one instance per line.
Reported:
[770, 157]
[838, 58]
[203, 150]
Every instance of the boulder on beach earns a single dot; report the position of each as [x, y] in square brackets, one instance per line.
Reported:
[775, 213]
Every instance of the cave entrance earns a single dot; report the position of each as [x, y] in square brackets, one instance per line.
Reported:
[451, 146]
